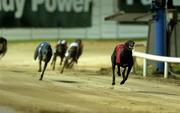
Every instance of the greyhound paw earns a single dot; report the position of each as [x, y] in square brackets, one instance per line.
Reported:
[39, 70]
[113, 83]
[119, 74]
[122, 82]
[40, 79]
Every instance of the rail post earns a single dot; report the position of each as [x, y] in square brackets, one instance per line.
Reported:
[165, 69]
[144, 67]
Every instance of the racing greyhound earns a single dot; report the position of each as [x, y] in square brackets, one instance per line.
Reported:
[44, 53]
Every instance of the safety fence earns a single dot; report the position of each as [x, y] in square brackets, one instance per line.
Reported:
[164, 59]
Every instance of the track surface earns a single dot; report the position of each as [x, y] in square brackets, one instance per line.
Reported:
[84, 89]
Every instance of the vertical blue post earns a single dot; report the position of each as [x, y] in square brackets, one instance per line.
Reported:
[160, 36]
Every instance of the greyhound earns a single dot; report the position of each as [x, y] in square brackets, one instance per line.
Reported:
[3, 46]
[122, 57]
[73, 54]
[60, 51]
[44, 53]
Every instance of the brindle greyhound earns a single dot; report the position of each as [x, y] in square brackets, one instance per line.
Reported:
[72, 55]
[60, 51]
[122, 57]
[3, 46]
[44, 53]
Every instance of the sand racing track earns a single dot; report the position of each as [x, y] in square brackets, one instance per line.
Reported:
[84, 89]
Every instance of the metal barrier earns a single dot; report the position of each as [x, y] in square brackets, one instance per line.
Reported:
[164, 59]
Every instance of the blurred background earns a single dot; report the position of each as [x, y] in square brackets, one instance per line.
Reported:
[54, 19]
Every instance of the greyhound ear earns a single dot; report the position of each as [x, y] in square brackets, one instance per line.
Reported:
[131, 41]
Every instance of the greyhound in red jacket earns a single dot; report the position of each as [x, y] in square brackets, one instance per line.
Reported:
[122, 57]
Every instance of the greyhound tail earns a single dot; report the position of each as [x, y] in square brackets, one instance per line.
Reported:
[36, 54]
[5, 47]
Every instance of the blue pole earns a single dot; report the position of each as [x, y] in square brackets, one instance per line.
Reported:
[160, 36]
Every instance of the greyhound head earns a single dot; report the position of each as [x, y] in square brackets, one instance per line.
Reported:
[78, 41]
[47, 53]
[130, 44]
[61, 45]
[63, 42]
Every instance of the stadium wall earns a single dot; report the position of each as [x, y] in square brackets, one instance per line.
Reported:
[100, 29]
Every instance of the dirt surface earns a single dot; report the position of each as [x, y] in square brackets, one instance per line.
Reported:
[84, 89]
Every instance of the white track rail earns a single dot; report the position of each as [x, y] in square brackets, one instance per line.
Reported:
[146, 57]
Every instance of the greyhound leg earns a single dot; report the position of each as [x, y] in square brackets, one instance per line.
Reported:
[39, 70]
[113, 61]
[45, 65]
[61, 58]
[127, 75]
[65, 63]
[54, 62]
[119, 72]
[113, 70]
[69, 64]
[123, 74]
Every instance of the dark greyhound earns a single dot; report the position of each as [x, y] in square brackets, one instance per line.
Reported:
[60, 51]
[122, 57]
[44, 53]
[73, 54]
[3, 46]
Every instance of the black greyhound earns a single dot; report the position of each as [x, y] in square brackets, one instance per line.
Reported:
[3, 46]
[60, 51]
[122, 57]
[73, 53]
[44, 53]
